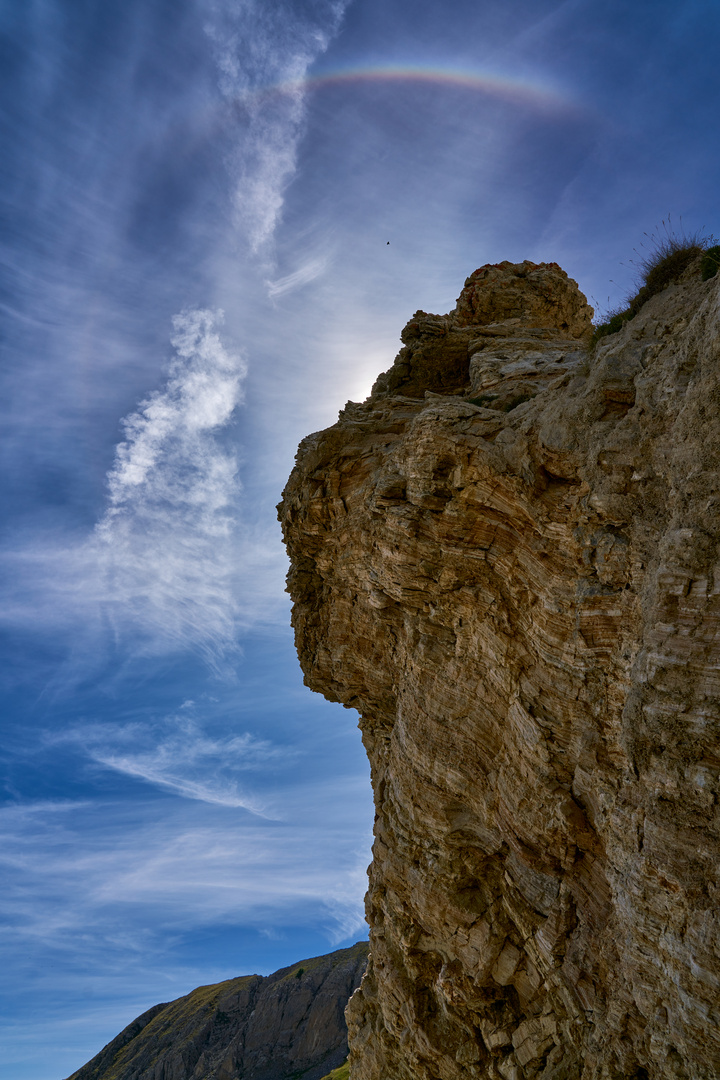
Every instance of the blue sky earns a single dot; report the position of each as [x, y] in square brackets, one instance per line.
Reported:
[177, 807]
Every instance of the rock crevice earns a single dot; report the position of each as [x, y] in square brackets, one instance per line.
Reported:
[506, 560]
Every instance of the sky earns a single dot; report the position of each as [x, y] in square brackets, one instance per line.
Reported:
[217, 216]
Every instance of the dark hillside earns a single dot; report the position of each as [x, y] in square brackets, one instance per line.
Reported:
[282, 1026]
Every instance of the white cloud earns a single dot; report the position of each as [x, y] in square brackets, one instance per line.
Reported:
[263, 51]
[176, 561]
[165, 544]
[345, 904]
[303, 276]
[178, 756]
[102, 877]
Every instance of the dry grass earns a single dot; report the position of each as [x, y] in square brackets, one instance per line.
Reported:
[660, 261]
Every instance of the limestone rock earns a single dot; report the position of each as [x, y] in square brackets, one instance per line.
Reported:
[282, 1027]
[526, 303]
[526, 294]
[507, 561]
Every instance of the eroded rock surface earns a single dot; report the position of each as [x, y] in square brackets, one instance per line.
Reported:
[507, 561]
[286, 1026]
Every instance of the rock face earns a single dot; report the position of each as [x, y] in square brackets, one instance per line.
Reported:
[287, 1026]
[507, 561]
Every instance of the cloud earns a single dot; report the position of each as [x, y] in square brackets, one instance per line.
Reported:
[307, 273]
[345, 904]
[263, 52]
[107, 880]
[165, 544]
[178, 756]
[177, 561]
[173, 563]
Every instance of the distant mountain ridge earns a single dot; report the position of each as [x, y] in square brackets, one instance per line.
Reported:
[285, 1026]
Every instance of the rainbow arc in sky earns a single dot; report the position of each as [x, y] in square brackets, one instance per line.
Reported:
[517, 91]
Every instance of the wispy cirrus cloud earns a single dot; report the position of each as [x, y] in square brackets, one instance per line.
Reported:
[165, 542]
[263, 52]
[311, 270]
[200, 865]
[178, 755]
[175, 561]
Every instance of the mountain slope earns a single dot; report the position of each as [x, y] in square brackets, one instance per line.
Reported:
[289, 1024]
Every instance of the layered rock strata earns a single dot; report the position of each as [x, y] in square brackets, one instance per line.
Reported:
[286, 1026]
[506, 560]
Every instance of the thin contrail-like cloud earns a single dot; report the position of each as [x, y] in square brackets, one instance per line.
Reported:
[307, 273]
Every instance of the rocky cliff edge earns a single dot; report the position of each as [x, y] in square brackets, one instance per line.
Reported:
[506, 560]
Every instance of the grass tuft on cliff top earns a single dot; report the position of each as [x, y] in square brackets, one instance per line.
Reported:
[662, 261]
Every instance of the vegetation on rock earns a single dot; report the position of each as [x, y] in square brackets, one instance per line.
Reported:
[665, 261]
[710, 262]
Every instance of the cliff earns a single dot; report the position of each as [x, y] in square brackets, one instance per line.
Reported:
[506, 560]
[286, 1026]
